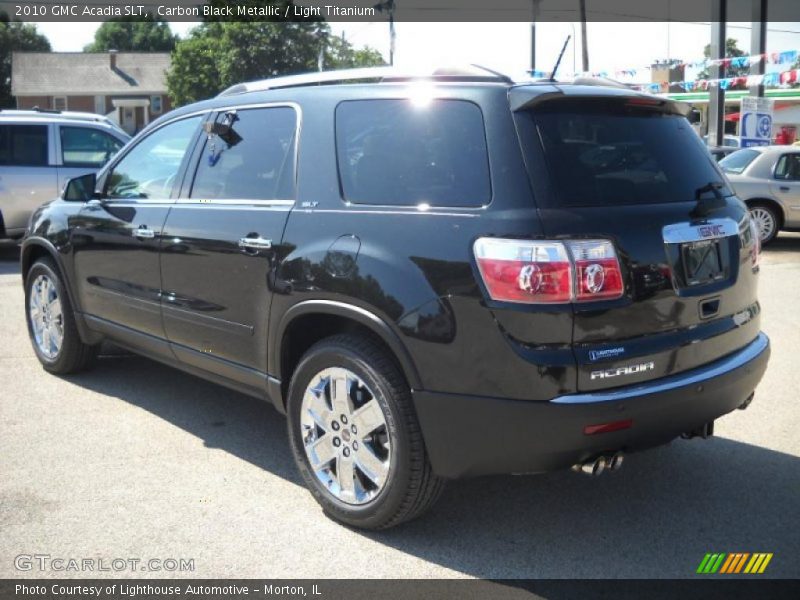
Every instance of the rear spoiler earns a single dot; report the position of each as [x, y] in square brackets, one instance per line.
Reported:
[526, 97]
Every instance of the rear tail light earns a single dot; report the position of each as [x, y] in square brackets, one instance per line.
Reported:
[549, 272]
[755, 248]
[597, 272]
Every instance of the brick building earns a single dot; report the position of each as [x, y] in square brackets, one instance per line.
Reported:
[129, 87]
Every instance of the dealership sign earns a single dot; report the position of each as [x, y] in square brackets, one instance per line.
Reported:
[756, 121]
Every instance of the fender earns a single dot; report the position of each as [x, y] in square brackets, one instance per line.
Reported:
[349, 311]
[28, 244]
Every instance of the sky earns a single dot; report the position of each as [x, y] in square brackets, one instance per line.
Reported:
[506, 46]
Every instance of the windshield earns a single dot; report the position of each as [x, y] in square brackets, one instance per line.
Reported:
[604, 153]
[737, 162]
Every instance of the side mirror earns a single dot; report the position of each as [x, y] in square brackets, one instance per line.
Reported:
[80, 189]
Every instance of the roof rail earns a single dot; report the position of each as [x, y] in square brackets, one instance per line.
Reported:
[470, 73]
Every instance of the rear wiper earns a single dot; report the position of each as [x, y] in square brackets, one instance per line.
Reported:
[706, 206]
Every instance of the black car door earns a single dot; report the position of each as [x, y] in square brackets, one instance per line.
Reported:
[117, 236]
[221, 241]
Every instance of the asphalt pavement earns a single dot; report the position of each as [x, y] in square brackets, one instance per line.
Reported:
[134, 460]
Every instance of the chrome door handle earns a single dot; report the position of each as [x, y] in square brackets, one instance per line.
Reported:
[257, 243]
[144, 233]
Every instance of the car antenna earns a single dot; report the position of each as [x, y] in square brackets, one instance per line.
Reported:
[560, 56]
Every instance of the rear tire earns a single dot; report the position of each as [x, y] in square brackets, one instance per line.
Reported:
[766, 219]
[51, 322]
[350, 411]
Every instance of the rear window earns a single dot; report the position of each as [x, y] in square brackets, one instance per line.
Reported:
[23, 145]
[602, 153]
[396, 152]
[737, 162]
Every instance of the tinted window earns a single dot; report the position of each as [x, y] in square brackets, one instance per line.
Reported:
[788, 167]
[83, 146]
[149, 169]
[250, 157]
[611, 153]
[399, 153]
[738, 161]
[23, 145]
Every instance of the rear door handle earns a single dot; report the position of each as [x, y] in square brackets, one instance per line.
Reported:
[144, 233]
[255, 243]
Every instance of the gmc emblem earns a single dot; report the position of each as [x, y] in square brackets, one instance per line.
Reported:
[708, 231]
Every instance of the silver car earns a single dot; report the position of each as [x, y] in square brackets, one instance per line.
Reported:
[39, 154]
[767, 179]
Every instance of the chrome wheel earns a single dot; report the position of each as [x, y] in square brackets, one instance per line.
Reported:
[45, 314]
[345, 436]
[765, 222]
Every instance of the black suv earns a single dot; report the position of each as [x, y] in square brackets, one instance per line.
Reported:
[433, 277]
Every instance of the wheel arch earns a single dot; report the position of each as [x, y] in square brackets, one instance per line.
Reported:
[771, 202]
[35, 248]
[310, 321]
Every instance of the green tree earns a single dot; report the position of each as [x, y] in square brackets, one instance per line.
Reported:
[217, 55]
[340, 54]
[194, 73]
[133, 34]
[731, 51]
[16, 37]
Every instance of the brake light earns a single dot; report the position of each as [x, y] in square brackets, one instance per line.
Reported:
[547, 271]
[525, 271]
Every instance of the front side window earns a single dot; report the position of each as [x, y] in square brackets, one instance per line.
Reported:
[788, 167]
[87, 147]
[23, 145]
[249, 155]
[405, 153]
[149, 170]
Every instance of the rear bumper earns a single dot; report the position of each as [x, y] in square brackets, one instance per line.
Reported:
[470, 435]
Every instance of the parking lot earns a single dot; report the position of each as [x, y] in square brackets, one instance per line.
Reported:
[136, 460]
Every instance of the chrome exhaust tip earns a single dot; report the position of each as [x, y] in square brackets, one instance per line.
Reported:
[593, 467]
[615, 462]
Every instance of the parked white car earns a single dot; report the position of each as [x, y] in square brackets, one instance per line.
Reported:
[39, 152]
[767, 179]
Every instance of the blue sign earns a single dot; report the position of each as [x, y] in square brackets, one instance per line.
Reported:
[756, 122]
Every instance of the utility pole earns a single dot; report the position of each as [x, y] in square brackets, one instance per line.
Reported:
[389, 6]
[584, 45]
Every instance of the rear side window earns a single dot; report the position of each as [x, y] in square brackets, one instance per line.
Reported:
[23, 145]
[87, 147]
[611, 153]
[396, 152]
[249, 156]
[788, 167]
[738, 161]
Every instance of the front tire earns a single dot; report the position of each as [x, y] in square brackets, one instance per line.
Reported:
[51, 322]
[355, 436]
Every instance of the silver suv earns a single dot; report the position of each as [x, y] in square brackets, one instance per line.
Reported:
[40, 152]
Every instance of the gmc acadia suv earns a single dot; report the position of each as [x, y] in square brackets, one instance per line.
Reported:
[433, 277]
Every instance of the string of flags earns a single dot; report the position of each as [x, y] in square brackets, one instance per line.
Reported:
[768, 79]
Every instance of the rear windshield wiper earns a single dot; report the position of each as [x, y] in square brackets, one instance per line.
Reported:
[706, 205]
